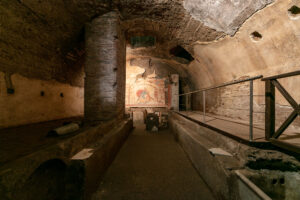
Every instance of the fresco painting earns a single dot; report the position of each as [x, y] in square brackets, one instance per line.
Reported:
[145, 92]
[148, 92]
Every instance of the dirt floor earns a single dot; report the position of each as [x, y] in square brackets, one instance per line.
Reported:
[152, 166]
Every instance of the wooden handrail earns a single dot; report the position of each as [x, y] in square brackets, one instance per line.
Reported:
[271, 84]
[295, 73]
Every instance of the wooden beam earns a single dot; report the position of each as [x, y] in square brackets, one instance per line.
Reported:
[285, 93]
[270, 109]
[286, 123]
[295, 73]
[285, 145]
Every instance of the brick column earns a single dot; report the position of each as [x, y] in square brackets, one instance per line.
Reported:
[104, 86]
[175, 92]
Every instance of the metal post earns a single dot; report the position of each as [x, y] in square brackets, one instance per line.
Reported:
[251, 112]
[203, 95]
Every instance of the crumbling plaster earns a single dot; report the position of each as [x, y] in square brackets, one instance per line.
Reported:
[164, 63]
[152, 75]
[223, 15]
[232, 57]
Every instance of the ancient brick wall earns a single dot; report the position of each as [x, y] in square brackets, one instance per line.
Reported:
[104, 69]
[36, 38]
[234, 101]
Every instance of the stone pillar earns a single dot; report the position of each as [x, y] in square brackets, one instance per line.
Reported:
[174, 92]
[104, 86]
[187, 97]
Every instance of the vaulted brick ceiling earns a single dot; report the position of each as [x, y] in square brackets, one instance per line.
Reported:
[44, 38]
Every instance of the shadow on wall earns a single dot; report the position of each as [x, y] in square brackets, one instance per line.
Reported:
[53, 180]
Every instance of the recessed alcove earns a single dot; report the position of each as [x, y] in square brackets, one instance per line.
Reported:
[256, 36]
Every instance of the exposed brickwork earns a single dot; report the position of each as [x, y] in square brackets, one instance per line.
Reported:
[234, 101]
[35, 37]
[105, 69]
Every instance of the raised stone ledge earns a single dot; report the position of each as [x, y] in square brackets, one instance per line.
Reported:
[16, 177]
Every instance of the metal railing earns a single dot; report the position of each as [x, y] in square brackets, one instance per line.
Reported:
[251, 79]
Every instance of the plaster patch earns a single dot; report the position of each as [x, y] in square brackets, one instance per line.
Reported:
[226, 16]
[219, 152]
[83, 154]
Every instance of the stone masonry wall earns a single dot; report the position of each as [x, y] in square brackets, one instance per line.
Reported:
[105, 69]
